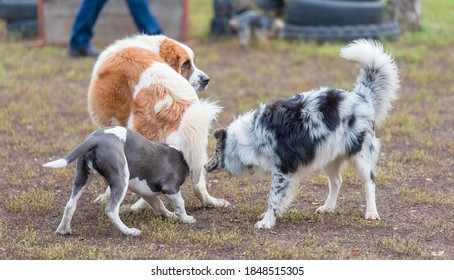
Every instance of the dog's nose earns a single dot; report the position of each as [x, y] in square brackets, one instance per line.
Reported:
[205, 79]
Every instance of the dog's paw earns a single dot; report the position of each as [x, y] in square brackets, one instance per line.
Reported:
[372, 216]
[187, 219]
[325, 209]
[63, 231]
[217, 202]
[101, 199]
[264, 224]
[169, 215]
[132, 232]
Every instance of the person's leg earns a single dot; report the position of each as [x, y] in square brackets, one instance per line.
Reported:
[82, 32]
[143, 18]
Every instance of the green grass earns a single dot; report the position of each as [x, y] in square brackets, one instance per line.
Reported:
[406, 248]
[200, 14]
[437, 24]
[414, 196]
[35, 200]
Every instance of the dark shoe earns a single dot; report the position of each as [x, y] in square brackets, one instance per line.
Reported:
[90, 51]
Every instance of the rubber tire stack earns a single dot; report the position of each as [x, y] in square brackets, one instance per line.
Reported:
[324, 20]
[20, 16]
[223, 11]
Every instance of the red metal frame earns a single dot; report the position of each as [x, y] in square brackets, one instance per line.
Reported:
[40, 12]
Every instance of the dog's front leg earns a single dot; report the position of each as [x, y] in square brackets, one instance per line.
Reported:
[158, 207]
[281, 195]
[177, 202]
[333, 171]
[102, 198]
[200, 190]
[139, 205]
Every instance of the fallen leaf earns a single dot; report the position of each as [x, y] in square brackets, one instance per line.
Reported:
[357, 250]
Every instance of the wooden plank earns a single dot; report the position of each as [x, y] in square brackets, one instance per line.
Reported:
[114, 22]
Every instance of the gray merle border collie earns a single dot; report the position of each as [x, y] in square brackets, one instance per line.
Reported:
[318, 129]
[126, 158]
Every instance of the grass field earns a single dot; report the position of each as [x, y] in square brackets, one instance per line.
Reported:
[43, 116]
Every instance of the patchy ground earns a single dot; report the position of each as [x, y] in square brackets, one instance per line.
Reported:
[43, 115]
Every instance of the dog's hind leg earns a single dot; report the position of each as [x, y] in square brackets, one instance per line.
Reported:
[82, 180]
[283, 188]
[364, 163]
[118, 180]
[177, 202]
[333, 171]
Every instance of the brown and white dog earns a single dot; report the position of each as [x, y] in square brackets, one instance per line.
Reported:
[150, 84]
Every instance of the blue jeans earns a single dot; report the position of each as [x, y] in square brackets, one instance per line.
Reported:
[82, 32]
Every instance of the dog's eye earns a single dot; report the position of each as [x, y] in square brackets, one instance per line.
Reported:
[186, 65]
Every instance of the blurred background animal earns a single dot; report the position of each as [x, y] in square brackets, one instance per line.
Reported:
[249, 21]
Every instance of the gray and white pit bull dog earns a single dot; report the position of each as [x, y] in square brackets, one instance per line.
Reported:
[126, 158]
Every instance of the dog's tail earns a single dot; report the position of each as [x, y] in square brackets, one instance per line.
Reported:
[78, 151]
[193, 135]
[379, 77]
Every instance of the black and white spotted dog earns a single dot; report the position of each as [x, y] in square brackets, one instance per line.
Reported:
[124, 157]
[319, 129]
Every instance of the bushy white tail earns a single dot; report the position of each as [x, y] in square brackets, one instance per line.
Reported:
[193, 135]
[59, 163]
[379, 76]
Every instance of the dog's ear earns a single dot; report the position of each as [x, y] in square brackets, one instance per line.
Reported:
[220, 134]
[170, 53]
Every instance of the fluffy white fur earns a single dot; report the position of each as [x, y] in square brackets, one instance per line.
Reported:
[161, 75]
[191, 138]
[371, 55]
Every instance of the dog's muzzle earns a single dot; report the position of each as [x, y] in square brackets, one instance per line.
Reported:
[212, 164]
[203, 84]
